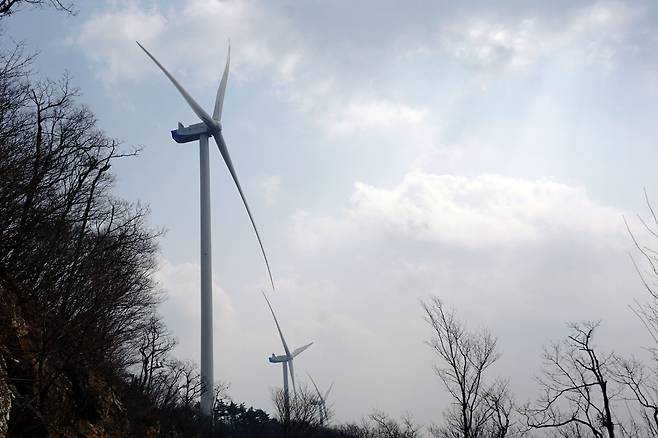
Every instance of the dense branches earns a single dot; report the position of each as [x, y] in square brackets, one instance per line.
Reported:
[576, 384]
[380, 425]
[642, 383]
[82, 257]
[304, 418]
[479, 408]
[238, 421]
[647, 269]
[384, 426]
[9, 7]
[641, 379]
[76, 260]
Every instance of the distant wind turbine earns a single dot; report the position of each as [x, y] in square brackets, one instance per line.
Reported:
[322, 401]
[286, 361]
[209, 126]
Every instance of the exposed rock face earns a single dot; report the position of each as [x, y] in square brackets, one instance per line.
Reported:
[5, 400]
[11, 328]
[83, 401]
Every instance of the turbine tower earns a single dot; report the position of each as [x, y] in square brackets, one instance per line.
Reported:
[286, 361]
[322, 401]
[209, 126]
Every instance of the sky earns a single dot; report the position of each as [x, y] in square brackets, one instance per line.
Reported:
[390, 151]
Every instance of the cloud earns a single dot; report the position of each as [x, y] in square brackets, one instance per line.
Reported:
[519, 257]
[489, 43]
[344, 91]
[108, 40]
[182, 33]
[181, 308]
[596, 33]
[471, 212]
[270, 187]
[361, 115]
[333, 81]
[268, 47]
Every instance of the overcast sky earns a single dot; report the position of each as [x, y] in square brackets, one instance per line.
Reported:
[390, 151]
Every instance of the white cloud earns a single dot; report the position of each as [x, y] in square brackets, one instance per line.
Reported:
[270, 187]
[108, 39]
[289, 64]
[268, 44]
[596, 33]
[519, 257]
[471, 212]
[182, 36]
[265, 45]
[490, 43]
[507, 253]
[370, 114]
[603, 16]
[181, 308]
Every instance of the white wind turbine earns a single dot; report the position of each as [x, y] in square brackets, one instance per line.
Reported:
[209, 126]
[321, 402]
[286, 361]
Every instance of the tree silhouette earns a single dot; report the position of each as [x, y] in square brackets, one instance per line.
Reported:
[9, 7]
[577, 393]
[479, 408]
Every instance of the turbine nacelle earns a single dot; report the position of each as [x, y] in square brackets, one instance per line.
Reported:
[278, 359]
[186, 134]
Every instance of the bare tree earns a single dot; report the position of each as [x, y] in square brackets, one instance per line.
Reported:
[221, 394]
[191, 385]
[304, 420]
[381, 425]
[642, 382]
[9, 7]
[324, 411]
[479, 408]
[577, 396]
[77, 260]
[386, 427]
[154, 346]
[500, 403]
[648, 273]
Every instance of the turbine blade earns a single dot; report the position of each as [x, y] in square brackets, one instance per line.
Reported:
[219, 100]
[292, 375]
[219, 139]
[300, 349]
[200, 112]
[283, 341]
[315, 386]
[326, 394]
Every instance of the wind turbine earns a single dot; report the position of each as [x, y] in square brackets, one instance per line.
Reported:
[322, 401]
[286, 361]
[209, 126]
